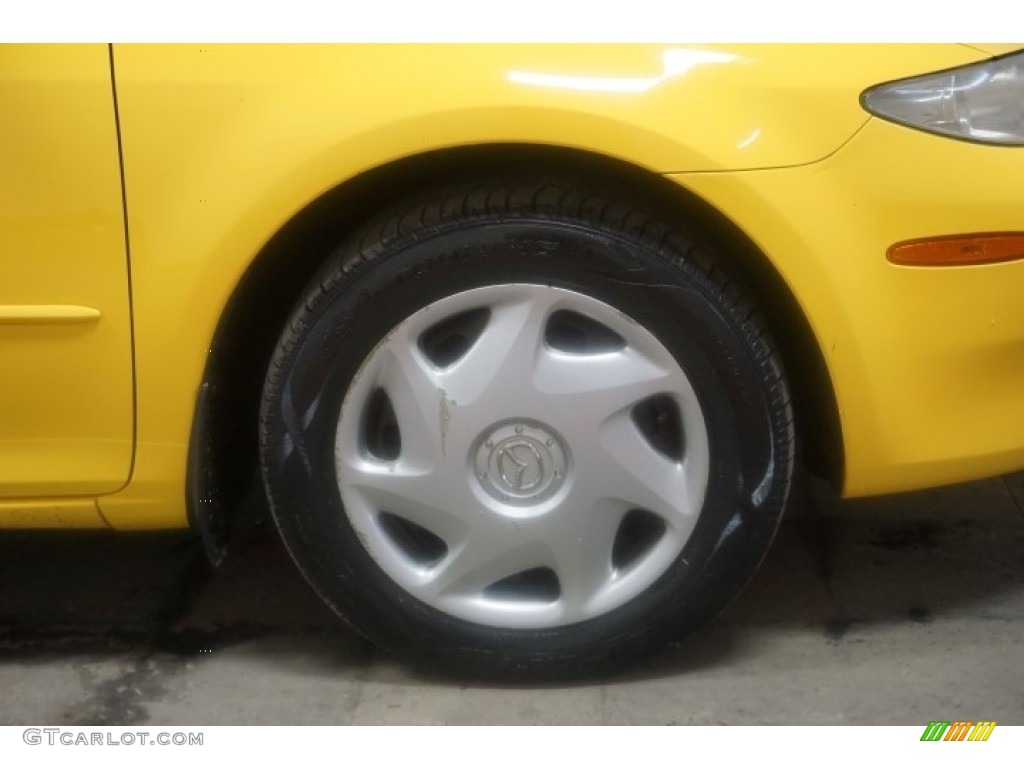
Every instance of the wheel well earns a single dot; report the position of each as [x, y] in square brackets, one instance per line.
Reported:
[224, 465]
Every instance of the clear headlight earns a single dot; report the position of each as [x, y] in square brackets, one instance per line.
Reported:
[980, 102]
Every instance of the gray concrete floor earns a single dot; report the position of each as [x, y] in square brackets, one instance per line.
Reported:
[897, 610]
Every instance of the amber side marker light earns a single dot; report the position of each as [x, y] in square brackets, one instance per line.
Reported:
[958, 250]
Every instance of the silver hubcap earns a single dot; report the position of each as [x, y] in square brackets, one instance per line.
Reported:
[522, 456]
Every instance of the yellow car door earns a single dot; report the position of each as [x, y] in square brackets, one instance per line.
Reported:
[66, 417]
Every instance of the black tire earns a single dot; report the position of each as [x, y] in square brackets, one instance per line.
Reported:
[674, 286]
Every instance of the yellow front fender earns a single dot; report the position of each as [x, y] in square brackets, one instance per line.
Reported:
[223, 145]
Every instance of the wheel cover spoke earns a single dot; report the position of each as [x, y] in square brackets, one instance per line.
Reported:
[581, 550]
[626, 467]
[487, 555]
[501, 363]
[410, 494]
[415, 395]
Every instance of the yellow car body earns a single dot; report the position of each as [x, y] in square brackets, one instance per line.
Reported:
[141, 184]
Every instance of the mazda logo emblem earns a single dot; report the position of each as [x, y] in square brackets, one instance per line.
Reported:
[520, 465]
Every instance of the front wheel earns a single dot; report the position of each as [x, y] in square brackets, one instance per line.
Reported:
[525, 430]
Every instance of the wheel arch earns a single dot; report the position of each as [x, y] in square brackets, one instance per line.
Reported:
[223, 485]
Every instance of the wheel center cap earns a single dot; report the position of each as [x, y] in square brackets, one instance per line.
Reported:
[520, 463]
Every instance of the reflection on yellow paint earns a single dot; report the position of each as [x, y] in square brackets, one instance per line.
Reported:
[675, 62]
[753, 136]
